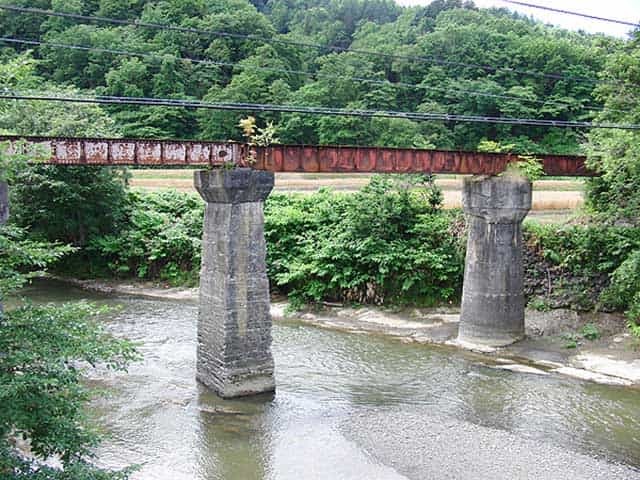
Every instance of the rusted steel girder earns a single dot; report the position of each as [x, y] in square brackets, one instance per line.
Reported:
[327, 159]
[286, 158]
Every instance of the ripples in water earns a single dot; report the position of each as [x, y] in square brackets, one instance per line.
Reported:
[158, 416]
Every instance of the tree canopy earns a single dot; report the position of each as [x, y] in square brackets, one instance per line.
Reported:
[430, 59]
[615, 154]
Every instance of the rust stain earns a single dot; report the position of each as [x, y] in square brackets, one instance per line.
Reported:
[288, 158]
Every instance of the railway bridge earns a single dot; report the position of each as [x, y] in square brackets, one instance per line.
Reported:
[234, 324]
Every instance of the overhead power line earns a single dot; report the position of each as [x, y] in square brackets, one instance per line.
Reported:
[261, 107]
[421, 86]
[577, 14]
[332, 48]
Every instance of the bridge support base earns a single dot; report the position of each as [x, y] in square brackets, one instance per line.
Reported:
[492, 296]
[234, 322]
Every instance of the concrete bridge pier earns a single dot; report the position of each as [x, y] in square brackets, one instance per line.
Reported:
[234, 322]
[492, 296]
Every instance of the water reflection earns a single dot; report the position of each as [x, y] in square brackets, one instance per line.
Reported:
[231, 437]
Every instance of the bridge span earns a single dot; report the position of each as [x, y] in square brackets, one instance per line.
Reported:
[234, 324]
[287, 158]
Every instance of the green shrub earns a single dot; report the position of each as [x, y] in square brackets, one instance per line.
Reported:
[387, 243]
[633, 317]
[570, 340]
[590, 332]
[70, 204]
[575, 266]
[584, 248]
[625, 283]
[161, 240]
[624, 291]
[539, 304]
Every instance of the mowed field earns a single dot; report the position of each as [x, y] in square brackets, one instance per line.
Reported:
[556, 196]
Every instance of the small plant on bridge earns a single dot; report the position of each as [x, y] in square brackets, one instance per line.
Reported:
[527, 166]
[256, 136]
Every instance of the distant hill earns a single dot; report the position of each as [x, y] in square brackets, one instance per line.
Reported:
[447, 57]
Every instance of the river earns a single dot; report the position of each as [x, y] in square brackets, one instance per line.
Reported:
[348, 406]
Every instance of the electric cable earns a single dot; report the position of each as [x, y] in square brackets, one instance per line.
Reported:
[261, 107]
[568, 12]
[159, 56]
[334, 48]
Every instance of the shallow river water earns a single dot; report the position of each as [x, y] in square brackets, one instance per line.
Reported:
[329, 385]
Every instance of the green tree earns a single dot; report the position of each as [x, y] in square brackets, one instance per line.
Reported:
[453, 38]
[69, 204]
[45, 351]
[615, 154]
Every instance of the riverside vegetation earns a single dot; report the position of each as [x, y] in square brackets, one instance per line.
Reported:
[389, 243]
[46, 350]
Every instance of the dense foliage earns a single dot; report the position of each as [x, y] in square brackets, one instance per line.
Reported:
[581, 266]
[387, 243]
[161, 239]
[615, 195]
[44, 351]
[72, 204]
[265, 68]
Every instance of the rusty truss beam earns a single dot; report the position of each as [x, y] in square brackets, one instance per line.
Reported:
[284, 158]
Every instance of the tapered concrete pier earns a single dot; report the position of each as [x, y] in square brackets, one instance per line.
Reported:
[492, 296]
[234, 323]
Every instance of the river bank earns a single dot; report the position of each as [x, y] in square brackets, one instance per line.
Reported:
[611, 359]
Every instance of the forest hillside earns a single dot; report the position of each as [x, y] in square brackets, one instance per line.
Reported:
[448, 57]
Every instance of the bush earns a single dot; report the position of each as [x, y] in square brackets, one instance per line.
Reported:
[584, 248]
[161, 238]
[388, 243]
[625, 283]
[70, 204]
[572, 266]
[624, 291]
